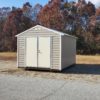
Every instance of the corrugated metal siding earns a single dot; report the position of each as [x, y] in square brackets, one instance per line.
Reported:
[68, 51]
[55, 47]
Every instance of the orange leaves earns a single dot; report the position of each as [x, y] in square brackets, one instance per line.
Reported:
[98, 12]
[50, 15]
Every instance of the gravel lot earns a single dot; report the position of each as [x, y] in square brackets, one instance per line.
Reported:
[7, 64]
[28, 88]
[89, 73]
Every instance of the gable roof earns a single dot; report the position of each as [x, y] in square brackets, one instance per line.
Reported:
[38, 27]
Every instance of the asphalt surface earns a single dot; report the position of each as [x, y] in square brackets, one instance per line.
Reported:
[27, 88]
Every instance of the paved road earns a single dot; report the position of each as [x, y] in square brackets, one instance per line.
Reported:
[26, 88]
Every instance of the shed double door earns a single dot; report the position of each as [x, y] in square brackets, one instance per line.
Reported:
[38, 52]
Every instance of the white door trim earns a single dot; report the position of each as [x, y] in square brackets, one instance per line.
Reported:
[37, 53]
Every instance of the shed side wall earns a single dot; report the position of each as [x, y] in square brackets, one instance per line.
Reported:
[68, 51]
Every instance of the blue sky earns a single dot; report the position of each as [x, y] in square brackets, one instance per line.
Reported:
[19, 3]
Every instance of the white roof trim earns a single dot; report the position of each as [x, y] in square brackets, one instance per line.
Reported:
[54, 31]
[37, 27]
[23, 32]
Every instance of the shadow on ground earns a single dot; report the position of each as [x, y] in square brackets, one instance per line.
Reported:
[83, 69]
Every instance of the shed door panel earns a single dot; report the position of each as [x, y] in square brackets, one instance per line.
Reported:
[44, 52]
[31, 52]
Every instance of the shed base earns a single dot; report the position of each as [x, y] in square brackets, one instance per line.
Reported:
[40, 69]
[46, 69]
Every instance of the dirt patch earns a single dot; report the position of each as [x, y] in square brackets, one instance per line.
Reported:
[87, 68]
[7, 64]
[52, 75]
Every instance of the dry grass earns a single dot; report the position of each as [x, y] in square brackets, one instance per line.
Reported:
[85, 59]
[80, 59]
[7, 56]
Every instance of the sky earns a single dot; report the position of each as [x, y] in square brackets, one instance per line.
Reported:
[19, 3]
[96, 2]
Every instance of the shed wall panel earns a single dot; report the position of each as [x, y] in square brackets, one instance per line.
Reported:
[56, 52]
[68, 51]
[21, 51]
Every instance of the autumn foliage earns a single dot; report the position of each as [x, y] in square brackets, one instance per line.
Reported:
[50, 16]
[98, 12]
[14, 24]
[81, 19]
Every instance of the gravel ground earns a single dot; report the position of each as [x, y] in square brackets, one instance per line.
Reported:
[89, 73]
[80, 82]
[7, 64]
[28, 88]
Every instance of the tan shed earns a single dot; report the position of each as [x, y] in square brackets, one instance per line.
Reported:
[43, 48]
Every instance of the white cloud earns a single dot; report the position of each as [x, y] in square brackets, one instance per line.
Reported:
[96, 2]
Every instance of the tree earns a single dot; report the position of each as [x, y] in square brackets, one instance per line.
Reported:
[90, 9]
[27, 9]
[2, 21]
[15, 23]
[98, 11]
[50, 16]
[35, 11]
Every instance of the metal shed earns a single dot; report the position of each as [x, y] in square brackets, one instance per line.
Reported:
[43, 48]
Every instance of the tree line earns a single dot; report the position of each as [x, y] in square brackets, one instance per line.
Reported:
[81, 19]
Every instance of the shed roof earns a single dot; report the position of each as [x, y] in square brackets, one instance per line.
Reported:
[38, 27]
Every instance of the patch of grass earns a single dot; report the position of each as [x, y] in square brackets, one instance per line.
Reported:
[8, 55]
[80, 59]
[88, 59]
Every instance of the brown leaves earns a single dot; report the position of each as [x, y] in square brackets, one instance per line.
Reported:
[15, 23]
[50, 16]
[90, 9]
[98, 12]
